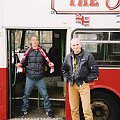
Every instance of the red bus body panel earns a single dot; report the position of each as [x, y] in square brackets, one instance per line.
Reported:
[108, 79]
[3, 93]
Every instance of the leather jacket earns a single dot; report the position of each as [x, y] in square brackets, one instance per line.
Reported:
[87, 69]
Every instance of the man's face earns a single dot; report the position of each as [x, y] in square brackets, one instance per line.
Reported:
[75, 46]
[34, 41]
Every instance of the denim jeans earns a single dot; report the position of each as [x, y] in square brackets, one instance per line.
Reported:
[42, 91]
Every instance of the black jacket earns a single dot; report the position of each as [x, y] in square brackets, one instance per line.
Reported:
[87, 69]
[35, 65]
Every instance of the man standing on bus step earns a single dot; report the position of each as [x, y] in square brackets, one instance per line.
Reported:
[34, 60]
[79, 69]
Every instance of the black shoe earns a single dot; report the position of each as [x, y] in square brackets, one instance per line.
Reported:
[23, 113]
[50, 114]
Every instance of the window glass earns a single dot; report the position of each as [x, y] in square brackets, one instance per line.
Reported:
[106, 53]
[115, 36]
[91, 36]
[45, 39]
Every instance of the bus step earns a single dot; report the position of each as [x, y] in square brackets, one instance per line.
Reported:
[52, 99]
[37, 119]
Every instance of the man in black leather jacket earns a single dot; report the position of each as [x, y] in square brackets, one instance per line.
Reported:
[79, 69]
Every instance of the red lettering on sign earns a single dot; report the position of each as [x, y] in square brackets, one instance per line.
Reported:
[84, 3]
[72, 2]
[94, 3]
[112, 7]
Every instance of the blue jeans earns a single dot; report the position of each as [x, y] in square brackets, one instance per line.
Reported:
[42, 90]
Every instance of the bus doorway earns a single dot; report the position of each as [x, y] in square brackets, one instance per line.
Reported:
[53, 41]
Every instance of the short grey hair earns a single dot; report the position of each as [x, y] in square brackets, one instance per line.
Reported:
[74, 39]
[33, 36]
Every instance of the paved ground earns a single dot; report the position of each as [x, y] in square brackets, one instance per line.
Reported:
[39, 114]
[57, 101]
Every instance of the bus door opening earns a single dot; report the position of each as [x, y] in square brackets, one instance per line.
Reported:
[53, 41]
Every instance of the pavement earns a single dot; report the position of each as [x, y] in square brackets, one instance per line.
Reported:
[39, 114]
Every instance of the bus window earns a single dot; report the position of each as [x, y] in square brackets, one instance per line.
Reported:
[105, 46]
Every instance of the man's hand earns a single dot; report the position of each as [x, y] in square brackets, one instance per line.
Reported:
[19, 65]
[51, 64]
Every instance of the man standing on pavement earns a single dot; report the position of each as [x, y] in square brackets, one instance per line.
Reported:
[34, 61]
[79, 69]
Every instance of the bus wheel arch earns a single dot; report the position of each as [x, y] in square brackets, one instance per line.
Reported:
[105, 104]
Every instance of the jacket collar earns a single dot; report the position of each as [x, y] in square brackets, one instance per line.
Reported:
[36, 49]
[80, 54]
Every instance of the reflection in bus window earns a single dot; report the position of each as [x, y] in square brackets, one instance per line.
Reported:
[105, 52]
[92, 36]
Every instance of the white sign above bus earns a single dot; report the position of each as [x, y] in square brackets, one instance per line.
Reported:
[86, 6]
